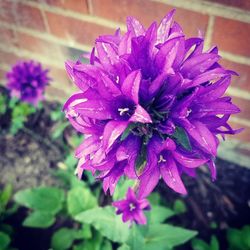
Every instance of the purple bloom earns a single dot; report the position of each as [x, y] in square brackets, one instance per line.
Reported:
[27, 81]
[151, 106]
[132, 208]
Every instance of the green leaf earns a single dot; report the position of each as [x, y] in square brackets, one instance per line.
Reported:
[128, 130]
[135, 240]
[121, 188]
[106, 245]
[3, 104]
[164, 236]
[198, 244]
[63, 238]
[159, 214]
[39, 219]
[179, 207]
[5, 195]
[182, 138]
[4, 240]
[214, 244]
[57, 115]
[124, 247]
[92, 244]
[46, 199]
[80, 199]
[58, 129]
[106, 222]
[86, 232]
[154, 198]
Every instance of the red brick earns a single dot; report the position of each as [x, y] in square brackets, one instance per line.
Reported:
[2, 76]
[243, 136]
[7, 36]
[41, 46]
[148, 11]
[243, 4]
[74, 29]
[8, 58]
[243, 80]
[244, 106]
[22, 15]
[232, 36]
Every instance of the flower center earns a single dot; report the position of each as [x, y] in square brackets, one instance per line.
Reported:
[161, 159]
[132, 207]
[123, 111]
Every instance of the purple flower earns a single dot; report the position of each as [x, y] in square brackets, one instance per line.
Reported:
[132, 208]
[27, 81]
[151, 105]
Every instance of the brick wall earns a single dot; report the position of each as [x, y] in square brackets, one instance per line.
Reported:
[52, 31]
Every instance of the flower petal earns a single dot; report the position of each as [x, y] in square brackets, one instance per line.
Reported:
[171, 176]
[140, 115]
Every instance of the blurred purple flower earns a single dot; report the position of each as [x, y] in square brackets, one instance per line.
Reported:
[132, 208]
[151, 105]
[27, 81]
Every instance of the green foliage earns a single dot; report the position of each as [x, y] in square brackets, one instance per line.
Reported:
[19, 114]
[159, 214]
[4, 241]
[45, 199]
[39, 219]
[106, 222]
[164, 236]
[80, 199]
[63, 238]
[3, 104]
[121, 188]
[179, 207]
[239, 239]
[182, 138]
[198, 244]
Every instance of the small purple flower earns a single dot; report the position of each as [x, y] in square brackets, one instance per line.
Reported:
[132, 208]
[151, 105]
[27, 81]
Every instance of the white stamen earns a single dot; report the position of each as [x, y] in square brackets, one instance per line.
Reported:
[123, 111]
[162, 159]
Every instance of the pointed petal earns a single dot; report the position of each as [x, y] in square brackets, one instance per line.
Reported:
[171, 176]
[148, 182]
[164, 27]
[188, 162]
[203, 137]
[112, 131]
[140, 115]
[131, 85]
[140, 218]
[135, 27]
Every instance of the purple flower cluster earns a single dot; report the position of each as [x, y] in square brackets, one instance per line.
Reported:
[27, 81]
[132, 208]
[151, 106]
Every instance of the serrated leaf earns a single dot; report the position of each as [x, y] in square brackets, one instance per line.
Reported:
[63, 238]
[80, 199]
[106, 222]
[182, 138]
[4, 240]
[159, 214]
[46, 199]
[164, 236]
[39, 219]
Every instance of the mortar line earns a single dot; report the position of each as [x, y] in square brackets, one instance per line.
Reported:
[46, 36]
[243, 94]
[209, 8]
[209, 33]
[235, 58]
[240, 121]
[83, 17]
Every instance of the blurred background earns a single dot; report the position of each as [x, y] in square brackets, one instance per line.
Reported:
[53, 31]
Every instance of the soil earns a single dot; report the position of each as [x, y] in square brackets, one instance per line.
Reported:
[27, 158]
